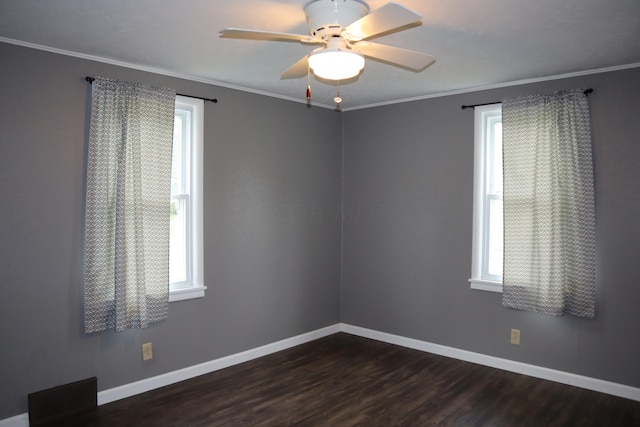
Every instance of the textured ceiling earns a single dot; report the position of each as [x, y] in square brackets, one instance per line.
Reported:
[477, 44]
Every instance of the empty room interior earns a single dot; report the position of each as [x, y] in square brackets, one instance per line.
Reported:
[328, 208]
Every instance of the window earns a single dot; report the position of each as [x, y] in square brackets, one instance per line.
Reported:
[185, 258]
[486, 269]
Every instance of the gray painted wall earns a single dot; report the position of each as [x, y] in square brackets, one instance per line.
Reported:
[407, 247]
[272, 177]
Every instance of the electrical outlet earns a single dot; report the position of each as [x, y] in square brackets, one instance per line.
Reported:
[515, 336]
[147, 351]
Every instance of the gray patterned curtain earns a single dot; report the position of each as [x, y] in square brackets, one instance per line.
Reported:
[549, 211]
[126, 276]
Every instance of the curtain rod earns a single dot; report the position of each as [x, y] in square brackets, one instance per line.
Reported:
[214, 100]
[464, 107]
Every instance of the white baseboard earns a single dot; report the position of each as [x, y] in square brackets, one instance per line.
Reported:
[562, 377]
[127, 390]
[132, 389]
[21, 420]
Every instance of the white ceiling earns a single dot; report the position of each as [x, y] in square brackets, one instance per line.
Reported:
[477, 44]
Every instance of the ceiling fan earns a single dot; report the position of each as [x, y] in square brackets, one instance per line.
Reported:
[344, 28]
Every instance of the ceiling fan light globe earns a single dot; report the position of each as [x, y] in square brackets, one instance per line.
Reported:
[336, 64]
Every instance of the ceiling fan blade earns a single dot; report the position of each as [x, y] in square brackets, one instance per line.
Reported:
[297, 70]
[238, 33]
[387, 18]
[395, 55]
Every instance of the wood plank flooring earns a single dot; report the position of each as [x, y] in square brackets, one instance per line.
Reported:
[344, 380]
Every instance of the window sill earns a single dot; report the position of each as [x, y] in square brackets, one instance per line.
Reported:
[486, 285]
[188, 293]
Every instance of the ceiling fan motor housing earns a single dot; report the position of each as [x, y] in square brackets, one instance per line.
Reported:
[326, 18]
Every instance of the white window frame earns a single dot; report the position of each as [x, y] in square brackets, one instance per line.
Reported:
[194, 134]
[480, 278]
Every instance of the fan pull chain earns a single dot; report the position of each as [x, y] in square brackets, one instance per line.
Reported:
[308, 86]
[338, 98]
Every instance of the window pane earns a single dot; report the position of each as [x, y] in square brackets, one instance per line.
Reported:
[494, 262]
[178, 242]
[177, 165]
[496, 171]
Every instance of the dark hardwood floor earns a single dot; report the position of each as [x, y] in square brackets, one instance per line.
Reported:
[344, 380]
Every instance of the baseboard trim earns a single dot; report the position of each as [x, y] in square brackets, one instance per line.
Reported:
[127, 390]
[21, 420]
[132, 389]
[562, 377]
